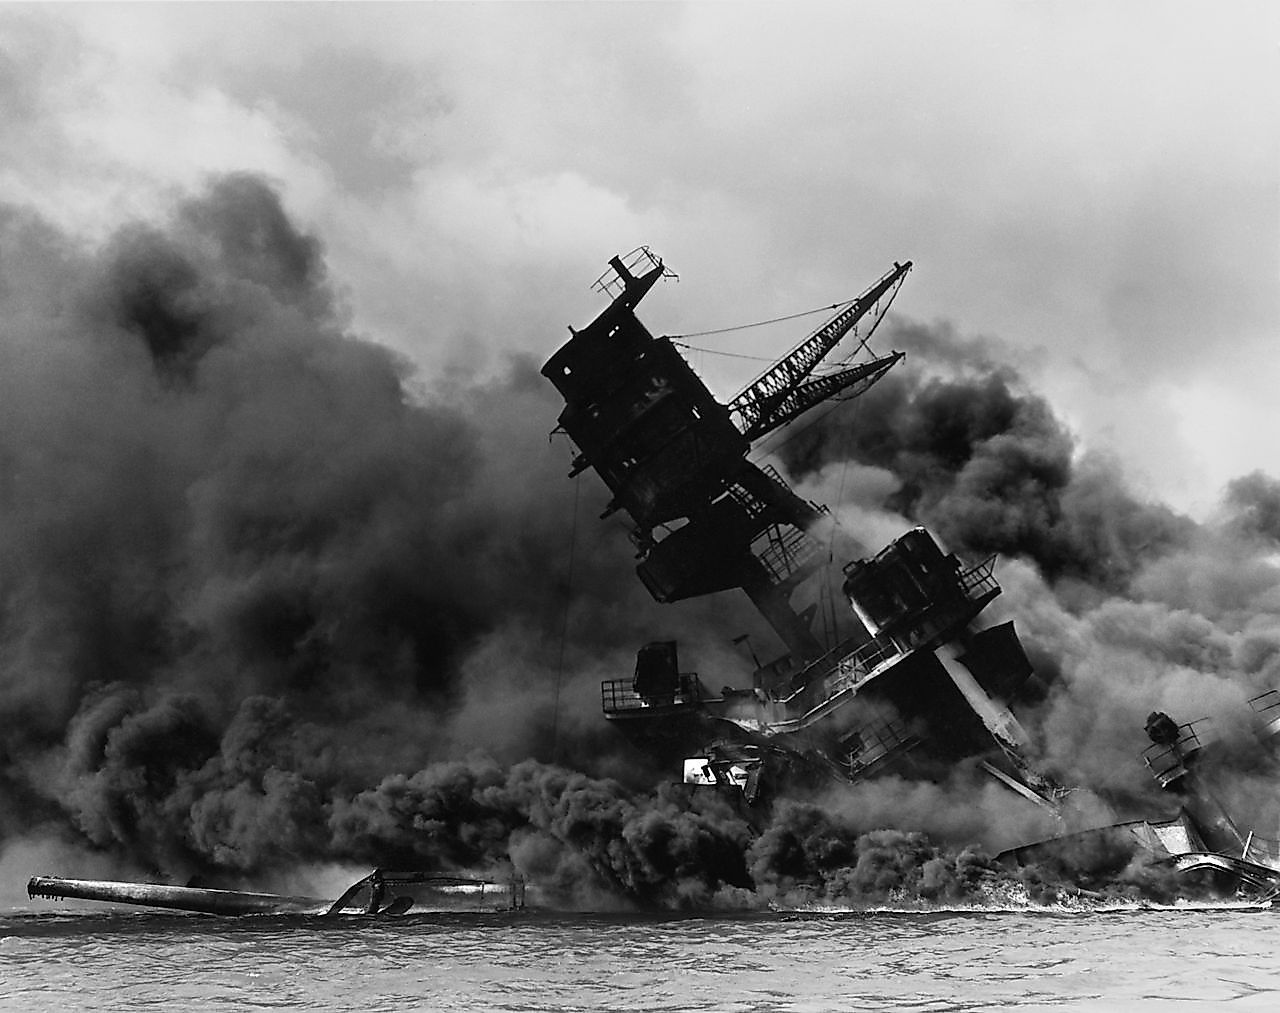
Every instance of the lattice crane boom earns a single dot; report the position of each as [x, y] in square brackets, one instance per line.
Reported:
[795, 402]
[754, 410]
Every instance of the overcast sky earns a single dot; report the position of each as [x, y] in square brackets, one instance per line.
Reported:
[1095, 185]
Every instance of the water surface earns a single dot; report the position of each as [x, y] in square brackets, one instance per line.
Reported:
[985, 960]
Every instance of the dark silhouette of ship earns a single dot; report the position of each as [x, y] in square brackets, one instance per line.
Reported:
[903, 677]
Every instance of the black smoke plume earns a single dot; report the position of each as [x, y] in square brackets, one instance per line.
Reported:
[270, 598]
[220, 506]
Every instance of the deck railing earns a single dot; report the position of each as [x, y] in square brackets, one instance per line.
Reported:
[617, 695]
[878, 740]
[1266, 703]
[980, 580]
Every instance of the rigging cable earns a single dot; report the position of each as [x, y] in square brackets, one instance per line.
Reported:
[764, 323]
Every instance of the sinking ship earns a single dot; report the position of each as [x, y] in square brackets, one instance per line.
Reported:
[902, 677]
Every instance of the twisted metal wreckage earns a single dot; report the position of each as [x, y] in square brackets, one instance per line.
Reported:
[902, 678]
[906, 679]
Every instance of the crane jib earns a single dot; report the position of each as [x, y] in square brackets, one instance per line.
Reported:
[762, 396]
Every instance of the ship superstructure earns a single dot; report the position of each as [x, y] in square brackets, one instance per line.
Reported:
[1218, 831]
[908, 680]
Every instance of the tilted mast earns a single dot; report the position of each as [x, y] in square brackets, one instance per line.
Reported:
[675, 459]
[780, 393]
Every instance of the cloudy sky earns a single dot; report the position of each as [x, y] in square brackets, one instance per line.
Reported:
[1092, 185]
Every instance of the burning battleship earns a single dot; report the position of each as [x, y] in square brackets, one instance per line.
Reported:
[909, 680]
[382, 893]
[904, 677]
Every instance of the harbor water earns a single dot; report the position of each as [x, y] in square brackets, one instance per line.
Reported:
[1155, 959]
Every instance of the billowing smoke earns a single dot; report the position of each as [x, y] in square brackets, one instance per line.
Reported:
[270, 598]
[1253, 504]
[985, 464]
[253, 564]
[1125, 606]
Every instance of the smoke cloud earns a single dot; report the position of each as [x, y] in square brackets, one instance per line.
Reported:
[273, 599]
[1125, 606]
[214, 493]
[984, 462]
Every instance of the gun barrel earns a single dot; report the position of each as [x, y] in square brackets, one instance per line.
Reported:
[178, 898]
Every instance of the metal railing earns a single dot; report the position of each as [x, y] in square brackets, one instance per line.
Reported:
[787, 551]
[1265, 702]
[617, 695]
[772, 473]
[847, 669]
[878, 740]
[639, 261]
[980, 580]
[855, 667]
[1167, 763]
[1267, 707]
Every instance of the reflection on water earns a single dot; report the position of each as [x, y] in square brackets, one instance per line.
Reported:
[1184, 960]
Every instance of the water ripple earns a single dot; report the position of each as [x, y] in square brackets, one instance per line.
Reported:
[782, 964]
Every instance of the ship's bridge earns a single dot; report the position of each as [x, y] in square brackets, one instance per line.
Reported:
[911, 595]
